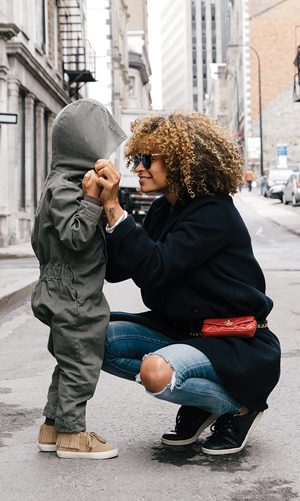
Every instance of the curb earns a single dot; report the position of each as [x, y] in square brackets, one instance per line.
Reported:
[16, 298]
[16, 255]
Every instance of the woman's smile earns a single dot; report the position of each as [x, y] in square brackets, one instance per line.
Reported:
[142, 179]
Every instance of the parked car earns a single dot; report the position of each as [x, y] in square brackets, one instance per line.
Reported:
[274, 180]
[291, 191]
[293, 166]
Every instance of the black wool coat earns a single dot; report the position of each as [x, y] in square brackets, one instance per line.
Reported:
[193, 262]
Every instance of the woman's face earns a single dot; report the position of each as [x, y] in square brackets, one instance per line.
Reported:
[154, 178]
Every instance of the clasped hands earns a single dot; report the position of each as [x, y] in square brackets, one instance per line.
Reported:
[103, 182]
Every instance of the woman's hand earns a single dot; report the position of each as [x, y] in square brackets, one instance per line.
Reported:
[109, 179]
[90, 184]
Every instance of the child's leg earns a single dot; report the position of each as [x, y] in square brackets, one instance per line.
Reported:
[78, 346]
[52, 398]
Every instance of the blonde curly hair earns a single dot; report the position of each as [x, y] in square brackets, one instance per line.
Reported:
[201, 156]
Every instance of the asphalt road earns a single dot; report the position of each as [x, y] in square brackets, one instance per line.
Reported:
[267, 469]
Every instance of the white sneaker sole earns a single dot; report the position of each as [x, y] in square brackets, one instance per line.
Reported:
[237, 449]
[47, 447]
[210, 420]
[87, 455]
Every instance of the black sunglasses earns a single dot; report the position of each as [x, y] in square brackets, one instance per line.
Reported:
[145, 158]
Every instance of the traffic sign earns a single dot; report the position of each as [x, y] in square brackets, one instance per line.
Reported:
[8, 118]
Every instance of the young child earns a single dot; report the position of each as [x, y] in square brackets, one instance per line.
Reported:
[68, 240]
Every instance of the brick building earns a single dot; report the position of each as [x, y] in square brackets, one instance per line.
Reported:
[43, 67]
[272, 34]
[268, 27]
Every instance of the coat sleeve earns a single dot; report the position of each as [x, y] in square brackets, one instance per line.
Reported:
[202, 234]
[74, 218]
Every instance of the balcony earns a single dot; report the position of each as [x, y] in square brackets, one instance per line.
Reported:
[79, 58]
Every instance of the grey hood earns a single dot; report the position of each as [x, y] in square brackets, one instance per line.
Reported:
[83, 131]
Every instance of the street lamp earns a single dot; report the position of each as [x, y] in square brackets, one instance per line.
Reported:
[260, 114]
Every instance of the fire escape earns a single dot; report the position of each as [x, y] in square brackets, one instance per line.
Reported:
[79, 59]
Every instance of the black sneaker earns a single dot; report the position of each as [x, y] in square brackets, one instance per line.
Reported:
[230, 432]
[190, 423]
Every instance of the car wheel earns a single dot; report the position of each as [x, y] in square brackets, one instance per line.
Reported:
[295, 202]
[284, 199]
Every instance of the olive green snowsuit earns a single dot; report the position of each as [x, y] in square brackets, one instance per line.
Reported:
[68, 240]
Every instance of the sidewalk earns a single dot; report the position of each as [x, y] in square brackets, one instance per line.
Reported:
[19, 272]
[283, 215]
[19, 268]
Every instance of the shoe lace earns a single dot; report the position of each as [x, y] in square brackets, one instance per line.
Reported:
[91, 436]
[183, 420]
[223, 424]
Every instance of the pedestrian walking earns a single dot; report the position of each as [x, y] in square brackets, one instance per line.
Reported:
[249, 177]
[194, 264]
[68, 240]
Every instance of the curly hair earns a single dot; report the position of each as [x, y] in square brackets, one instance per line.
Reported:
[200, 154]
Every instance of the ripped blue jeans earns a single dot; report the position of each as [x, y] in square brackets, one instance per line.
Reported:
[194, 381]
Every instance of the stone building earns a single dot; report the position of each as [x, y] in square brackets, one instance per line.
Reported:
[117, 22]
[233, 81]
[138, 61]
[44, 63]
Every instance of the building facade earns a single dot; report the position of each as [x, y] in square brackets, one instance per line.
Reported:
[275, 36]
[43, 67]
[117, 22]
[193, 34]
[261, 60]
[211, 54]
[138, 61]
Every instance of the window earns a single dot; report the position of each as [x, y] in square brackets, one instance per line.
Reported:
[195, 102]
[46, 146]
[213, 31]
[194, 55]
[132, 86]
[55, 36]
[34, 158]
[45, 43]
[22, 149]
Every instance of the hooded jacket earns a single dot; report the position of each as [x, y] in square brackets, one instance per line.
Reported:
[67, 237]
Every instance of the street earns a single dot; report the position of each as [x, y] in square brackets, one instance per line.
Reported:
[268, 469]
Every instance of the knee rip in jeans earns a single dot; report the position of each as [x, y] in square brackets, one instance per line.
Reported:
[170, 385]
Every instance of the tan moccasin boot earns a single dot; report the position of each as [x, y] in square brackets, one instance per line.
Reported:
[47, 438]
[84, 445]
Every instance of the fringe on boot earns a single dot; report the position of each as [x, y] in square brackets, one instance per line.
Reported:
[47, 434]
[68, 440]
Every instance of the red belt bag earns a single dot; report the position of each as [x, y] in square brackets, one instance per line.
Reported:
[223, 327]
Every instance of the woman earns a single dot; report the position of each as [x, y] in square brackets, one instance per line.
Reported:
[193, 261]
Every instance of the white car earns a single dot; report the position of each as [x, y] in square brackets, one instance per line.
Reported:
[291, 191]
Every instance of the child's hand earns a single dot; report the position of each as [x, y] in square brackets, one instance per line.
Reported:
[90, 185]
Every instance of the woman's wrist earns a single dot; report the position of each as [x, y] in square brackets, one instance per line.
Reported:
[113, 212]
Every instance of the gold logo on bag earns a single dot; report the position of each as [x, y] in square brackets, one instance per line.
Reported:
[228, 322]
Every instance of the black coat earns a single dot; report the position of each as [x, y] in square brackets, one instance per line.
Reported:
[196, 262]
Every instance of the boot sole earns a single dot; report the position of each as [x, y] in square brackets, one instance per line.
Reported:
[47, 447]
[210, 420]
[87, 455]
[237, 449]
